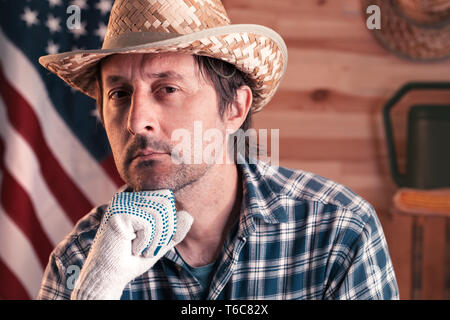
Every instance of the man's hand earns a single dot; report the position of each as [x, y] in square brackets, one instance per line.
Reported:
[137, 229]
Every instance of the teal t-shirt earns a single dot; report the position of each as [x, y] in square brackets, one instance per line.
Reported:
[203, 274]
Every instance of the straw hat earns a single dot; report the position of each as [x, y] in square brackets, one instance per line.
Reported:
[415, 29]
[199, 27]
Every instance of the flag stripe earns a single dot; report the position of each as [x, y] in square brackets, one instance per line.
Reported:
[19, 256]
[75, 159]
[23, 118]
[18, 206]
[54, 161]
[11, 287]
[109, 166]
[22, 164]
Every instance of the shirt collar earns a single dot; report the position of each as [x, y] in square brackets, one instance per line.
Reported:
[263, 198]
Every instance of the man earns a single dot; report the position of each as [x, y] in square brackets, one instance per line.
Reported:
[231, 228]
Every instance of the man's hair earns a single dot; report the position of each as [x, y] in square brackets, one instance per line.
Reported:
[224, 76]
[226, 79]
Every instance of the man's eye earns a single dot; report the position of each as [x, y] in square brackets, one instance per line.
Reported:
[169, 90]
[120, 94]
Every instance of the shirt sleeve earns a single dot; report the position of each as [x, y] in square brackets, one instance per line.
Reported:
[68, 257]
[362, 268]
[55, 283]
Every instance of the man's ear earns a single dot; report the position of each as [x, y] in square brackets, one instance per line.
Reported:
[237, 113]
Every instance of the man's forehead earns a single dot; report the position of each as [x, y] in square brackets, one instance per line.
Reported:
[166, 64]
[111, 79]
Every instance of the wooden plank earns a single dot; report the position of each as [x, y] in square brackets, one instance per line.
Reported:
[300, 13]
[398, 232]
[355, 73]
[330, 125]
[434, 256]
[341, 25]
[322, 99]
[333, 149]
[370, 167]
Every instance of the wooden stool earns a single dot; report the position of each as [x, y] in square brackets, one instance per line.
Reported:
[422, 204]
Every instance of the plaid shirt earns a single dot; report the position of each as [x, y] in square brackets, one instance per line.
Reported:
[299, 236]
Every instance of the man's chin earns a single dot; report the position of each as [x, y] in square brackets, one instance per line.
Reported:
[149, 184]
[150, 176]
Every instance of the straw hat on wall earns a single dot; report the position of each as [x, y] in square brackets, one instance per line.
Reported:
[415, 29]
[199, 27]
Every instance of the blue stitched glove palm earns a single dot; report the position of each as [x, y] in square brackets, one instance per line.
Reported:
[137, 229]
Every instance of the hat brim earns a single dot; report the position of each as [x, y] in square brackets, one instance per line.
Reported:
[256, 50]
[407, 39]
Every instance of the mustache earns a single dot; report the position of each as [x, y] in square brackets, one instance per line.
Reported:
[140, 143]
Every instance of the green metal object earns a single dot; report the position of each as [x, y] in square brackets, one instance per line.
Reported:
[428, 145]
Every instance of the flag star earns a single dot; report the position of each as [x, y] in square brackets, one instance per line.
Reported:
[96, 114]
[52, 48]
[101, 31]
[30, 17]
[80, 3]
[79, 31]
[53, 23]
[104, 6]
[72, 89]
[53, 3]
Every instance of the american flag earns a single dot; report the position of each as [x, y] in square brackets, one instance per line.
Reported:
[55, 160]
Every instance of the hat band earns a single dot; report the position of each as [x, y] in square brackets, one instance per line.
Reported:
[131, 39]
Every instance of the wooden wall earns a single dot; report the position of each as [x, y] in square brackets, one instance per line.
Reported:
[328, 110]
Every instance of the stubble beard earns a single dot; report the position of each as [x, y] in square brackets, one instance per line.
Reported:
[157, 174]
[146, 176]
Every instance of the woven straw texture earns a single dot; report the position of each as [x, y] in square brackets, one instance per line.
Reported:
[256, 54]
[180, 17]
[415, 29]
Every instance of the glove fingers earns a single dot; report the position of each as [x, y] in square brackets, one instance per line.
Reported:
[153, 220]
[184, 223]
[145, 234]
[161, 205]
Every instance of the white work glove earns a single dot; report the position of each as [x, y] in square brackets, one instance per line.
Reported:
[137, 229]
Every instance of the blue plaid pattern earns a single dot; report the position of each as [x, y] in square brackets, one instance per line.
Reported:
[299, 236]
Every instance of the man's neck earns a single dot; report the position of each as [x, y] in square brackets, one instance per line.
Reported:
[215, 202]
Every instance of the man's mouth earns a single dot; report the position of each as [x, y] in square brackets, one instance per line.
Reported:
[148, 154]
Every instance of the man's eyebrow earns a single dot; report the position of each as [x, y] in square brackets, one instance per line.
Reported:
[110, 80]
[113, 79]
[166, 75]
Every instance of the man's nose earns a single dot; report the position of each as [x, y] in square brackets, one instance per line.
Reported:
[143, 114]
